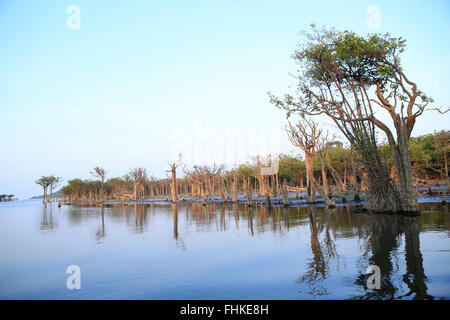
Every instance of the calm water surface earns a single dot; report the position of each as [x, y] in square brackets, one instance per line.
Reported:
[221, 252]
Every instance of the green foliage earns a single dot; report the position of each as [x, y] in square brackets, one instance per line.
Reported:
[99, 173]
[245, 170]
[44, 181]
[291, 169]
[348, 56]
[427, 152]
[338, 155]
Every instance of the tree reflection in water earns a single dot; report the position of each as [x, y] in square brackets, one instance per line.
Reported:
[318, 267]
[382, 237]
[48, 222]
[379, 240]
[140, 218]
[179, 241]
[101, 233]
[385, 238]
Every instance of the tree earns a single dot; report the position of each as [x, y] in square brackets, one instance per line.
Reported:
[350, 78]
[245, 172]
[139, 178]
[101, 174]
[54, 182]
[309, 138]
[292, 169]
[304, 136]
[441, 145]
[337, 161]
[322, 153]
[44, 182]
[77, 187]
[67, 192]
[173, 170]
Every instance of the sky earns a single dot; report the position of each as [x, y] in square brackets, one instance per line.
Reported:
[126, 84]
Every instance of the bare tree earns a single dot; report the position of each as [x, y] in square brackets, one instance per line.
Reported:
[139, 178]
[173, 170]
[309, 138]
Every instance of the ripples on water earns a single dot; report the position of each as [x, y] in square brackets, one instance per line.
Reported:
[221, 252]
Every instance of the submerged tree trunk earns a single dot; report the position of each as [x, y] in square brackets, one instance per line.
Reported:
[403, 169]
[285, 194]
[173, 186]
[234, 190]
[326, 189]
[336, 177]
[383, 196]
[330, 203]
[249, 193]
[45, 193]
[355, 182]
[309, 164]
[222, 191]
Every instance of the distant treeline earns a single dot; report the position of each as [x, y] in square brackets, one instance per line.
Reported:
[6, 197]
[343, 168]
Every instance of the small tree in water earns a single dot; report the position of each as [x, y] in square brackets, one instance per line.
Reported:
[101, 174]
[348, 78]
[309, 138]
[173, 185]
[44, 182]
[54, 182]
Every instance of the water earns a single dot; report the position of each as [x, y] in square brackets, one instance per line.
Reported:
[221, 252]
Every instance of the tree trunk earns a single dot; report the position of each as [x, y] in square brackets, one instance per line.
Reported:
[324, 177]
[285, 195]
[173, 186]
[234, 190]
[249, 194]
[309, 164]
[383, 196]
[402, 162]
[355, 183]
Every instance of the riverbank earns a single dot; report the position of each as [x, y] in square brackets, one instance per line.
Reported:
[294, 201]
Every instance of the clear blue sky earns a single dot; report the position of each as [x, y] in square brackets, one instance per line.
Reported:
[138, 74]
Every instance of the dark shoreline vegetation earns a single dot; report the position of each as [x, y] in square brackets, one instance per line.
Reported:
[6, 197]
[215, 185]
[342, 76]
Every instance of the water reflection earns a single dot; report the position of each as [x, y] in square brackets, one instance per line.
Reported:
[178, 239]
[323, 250]
[382, 245]
[101, 234]
[48, 222]
[391, 242]
[140, 217]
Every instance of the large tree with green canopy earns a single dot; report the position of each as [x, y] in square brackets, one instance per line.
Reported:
[351, 78]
